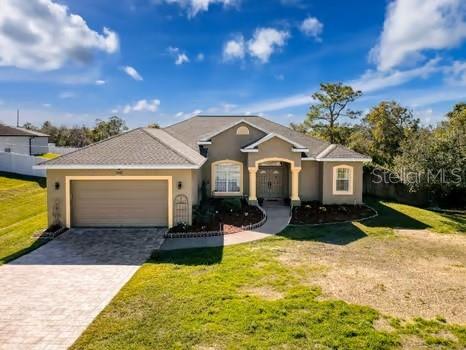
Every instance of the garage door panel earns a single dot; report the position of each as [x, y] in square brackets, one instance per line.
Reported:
[119, 203]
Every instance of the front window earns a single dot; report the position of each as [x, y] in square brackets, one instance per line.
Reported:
[227, 178]
[342, 180]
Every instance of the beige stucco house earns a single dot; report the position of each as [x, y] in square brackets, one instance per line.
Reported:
[152, 177]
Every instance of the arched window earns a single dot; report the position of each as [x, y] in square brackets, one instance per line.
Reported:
[242, 130]
[227, 178]
[342, 179]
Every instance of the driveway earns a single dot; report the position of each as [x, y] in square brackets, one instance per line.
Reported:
[51, 295]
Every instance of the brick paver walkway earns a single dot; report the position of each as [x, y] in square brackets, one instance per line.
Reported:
[50, 296]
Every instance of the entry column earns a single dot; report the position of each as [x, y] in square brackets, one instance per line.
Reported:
[295, 185]
[252, 185]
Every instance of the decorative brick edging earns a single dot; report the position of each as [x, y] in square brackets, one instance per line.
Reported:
[231, 229]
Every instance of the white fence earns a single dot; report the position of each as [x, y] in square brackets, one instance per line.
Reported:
[20, 164]
[61, 150]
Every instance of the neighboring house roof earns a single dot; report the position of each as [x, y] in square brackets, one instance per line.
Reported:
[139, 148]
[6, 130]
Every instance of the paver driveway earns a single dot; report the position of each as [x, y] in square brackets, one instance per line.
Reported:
[48, 297]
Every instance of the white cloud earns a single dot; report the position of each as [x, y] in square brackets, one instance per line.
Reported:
[66, 95]
[133, 73]
[142, 106]
[194, 7]
[234, 49]
[456, 73]
[181, 58]
[376, 80]
[42, 35]
[312, 27]
[46, 105]
[200, 57]
[265, 41]
[100, 82]
[182, 115]
[414, 26]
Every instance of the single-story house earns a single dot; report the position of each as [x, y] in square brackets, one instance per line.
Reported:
[153, 177]
[23, 141]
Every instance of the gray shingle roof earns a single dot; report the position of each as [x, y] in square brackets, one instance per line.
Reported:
[192, 130]
[138, 147]
[341, 152]
[6, 130]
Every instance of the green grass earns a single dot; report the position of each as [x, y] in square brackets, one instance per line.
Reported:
[49, 155]
[245, 297]
[23, 212]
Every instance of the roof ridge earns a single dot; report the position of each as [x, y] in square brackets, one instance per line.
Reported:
[169, 146]
[89, 146]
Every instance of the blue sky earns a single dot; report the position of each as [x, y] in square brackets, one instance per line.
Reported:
[72, 61]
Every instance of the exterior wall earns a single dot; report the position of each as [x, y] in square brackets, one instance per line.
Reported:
[227, 145]
[17, 144]
[20, 144]
[39, 145]
[20, 164]
[58, 197]
[274, 148]
[327, 184]
[196, 180]
[310, 181]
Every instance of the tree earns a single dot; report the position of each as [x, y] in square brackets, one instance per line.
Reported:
[332, 104]
[389, 125]
[154, 125]
[105, 129]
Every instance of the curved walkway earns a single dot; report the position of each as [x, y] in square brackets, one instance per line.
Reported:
[278, 217]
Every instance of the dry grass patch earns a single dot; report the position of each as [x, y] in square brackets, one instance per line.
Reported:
[415, 273]
[263, 292]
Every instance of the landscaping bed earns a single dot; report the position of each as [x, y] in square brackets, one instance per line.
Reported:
[316, 213]
[221, 216]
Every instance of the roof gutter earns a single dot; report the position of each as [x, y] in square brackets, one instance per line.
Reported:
[116, 166]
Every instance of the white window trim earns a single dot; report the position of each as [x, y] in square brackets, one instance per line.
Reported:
[214, 175]
[334, 180]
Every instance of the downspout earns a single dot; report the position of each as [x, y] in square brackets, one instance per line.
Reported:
[30, 145]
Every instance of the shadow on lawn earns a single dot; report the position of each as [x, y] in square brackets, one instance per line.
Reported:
[40, 180]
[195, 256]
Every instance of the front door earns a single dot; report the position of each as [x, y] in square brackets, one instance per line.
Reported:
[270, 181]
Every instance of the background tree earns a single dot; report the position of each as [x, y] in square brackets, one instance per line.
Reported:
[332, 104]
[154, 125]
[383, 130]
[105, 129]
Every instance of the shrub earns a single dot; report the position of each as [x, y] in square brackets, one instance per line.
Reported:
[231, 204]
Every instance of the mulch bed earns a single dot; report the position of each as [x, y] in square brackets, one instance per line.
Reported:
[316, 213]
[230, 221]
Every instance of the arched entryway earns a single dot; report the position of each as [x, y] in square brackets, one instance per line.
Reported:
[271, 178]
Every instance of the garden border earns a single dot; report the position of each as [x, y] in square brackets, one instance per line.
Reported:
[219, 232]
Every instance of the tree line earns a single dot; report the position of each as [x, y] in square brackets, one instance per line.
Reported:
[395, 139]
[80, 136]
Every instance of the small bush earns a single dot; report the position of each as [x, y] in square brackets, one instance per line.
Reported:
[231, 204]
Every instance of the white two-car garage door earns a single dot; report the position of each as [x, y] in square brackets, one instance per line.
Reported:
[118, 203]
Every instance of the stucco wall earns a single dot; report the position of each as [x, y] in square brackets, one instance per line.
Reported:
[227, 145]
[274, 148]
[39, 145]
[58, 196]
[310, 181]
[327, 184]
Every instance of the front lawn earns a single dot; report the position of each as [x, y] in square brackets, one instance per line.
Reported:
[49, 155]
[22, 212]
[277, 293]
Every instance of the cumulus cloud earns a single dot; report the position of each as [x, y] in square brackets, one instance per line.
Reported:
[234, 49]
[312, 27]
[411, 27]
[100, 82]
[194, 7]
[142, 106]
[180, 57]
[456, 73]
[133, 73]
[265, 42]
[42, 35]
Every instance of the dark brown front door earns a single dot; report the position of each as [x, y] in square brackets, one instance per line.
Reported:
[270, 182]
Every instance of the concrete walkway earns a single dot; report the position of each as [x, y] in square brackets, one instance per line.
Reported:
[278, 217]
[49, 296]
